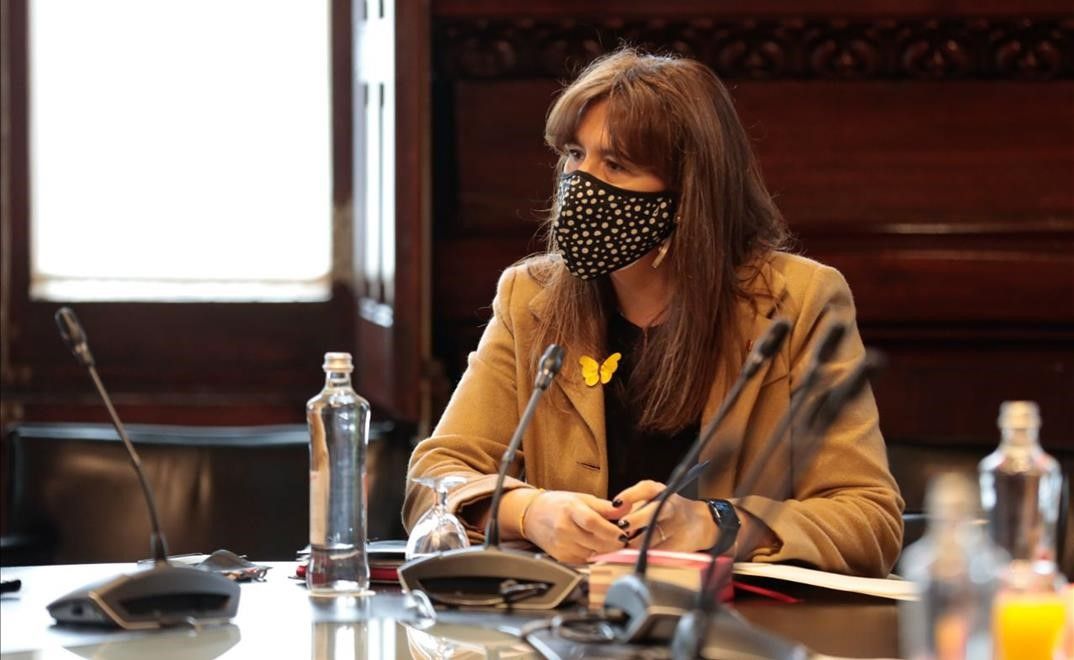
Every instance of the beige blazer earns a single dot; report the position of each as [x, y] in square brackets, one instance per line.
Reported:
[839, 511]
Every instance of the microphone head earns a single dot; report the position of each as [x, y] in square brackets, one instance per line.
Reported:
[832, 404]
[773, 339]
[766, 346]
[74, 336]
[550, 364]
[875, 362]
[832, 338]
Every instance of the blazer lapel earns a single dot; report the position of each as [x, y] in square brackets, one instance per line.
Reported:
[587, 401]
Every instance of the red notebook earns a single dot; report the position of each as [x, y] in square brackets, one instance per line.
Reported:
[686, 569]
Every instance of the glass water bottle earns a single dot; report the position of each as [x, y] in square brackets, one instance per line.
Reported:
[954, 567]
[1021, 486]
[339, 433]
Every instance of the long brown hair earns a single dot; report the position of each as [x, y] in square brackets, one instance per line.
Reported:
[675, 118]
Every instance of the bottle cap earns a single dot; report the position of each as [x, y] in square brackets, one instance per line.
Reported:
[952, 496]
[336, 362]
[1019, 415]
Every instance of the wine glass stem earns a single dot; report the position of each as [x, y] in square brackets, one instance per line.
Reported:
[441, 499]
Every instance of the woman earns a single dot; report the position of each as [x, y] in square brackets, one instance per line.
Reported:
[663, 266]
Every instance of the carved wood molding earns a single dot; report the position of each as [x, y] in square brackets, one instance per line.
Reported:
[1032, 49]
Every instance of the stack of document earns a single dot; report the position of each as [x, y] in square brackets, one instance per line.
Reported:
[686, 569]
[893, 587]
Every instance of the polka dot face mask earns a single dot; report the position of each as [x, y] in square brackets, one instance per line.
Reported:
[601, 228]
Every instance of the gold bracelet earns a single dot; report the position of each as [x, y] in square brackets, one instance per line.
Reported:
[525, 510]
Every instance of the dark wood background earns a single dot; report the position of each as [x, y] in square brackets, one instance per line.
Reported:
[924, 149]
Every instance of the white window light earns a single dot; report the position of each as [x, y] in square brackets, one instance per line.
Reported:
[180, 150]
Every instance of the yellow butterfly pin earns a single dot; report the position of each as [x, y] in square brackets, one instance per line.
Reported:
[593, 372]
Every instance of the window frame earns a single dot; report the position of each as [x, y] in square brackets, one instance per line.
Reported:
[167, 362]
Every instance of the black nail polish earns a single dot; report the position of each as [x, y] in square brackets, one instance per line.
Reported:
[617, 502]
[623, 538]
[623, 524]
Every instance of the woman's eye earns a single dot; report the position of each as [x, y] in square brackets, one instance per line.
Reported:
[574, 154]
[615, 166]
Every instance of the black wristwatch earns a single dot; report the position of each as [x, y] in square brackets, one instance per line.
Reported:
[727, 524]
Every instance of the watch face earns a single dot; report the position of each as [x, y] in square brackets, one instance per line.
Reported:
[723, 512]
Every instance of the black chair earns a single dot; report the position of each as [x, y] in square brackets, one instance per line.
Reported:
[75, 497]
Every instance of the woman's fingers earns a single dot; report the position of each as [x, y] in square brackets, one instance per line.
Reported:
[603, 508]
[643, 491]
[684, 525]
[592, 524]
[572, 527]
[639, 505]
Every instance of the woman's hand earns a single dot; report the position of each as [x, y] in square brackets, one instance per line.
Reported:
[571, 527]
[684, 524]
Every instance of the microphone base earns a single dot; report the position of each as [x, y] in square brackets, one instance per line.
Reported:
[725, 635]
[480, 576]
[649, 609]
[156, 597]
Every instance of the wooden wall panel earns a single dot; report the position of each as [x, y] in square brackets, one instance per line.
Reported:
[949, 391]
[976, 214]
[504, 170]
[959, 288]
[479, 10]
[929, 153]
[925, 151]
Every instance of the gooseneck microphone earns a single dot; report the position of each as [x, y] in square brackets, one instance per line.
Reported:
[154, 597]
[833, 335]
[828, 408]
[550, 364]
[75, 338]
[710, 631]
[649, 610]
[488, 575]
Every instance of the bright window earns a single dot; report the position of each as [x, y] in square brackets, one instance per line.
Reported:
[180, 150]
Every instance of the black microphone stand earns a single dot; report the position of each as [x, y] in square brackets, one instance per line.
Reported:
[833, 336]
[710, 631]
[551, 363]
[163, 594]
[649, 609]
[488, 575]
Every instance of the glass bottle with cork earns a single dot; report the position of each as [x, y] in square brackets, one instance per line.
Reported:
[339, 436]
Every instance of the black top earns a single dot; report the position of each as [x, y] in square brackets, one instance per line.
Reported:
[634, 455]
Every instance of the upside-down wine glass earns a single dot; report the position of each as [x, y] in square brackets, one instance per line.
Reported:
[438, 529]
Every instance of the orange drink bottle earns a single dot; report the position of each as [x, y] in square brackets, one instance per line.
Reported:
[1030, 612]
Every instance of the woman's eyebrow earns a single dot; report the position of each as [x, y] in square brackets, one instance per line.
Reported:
[603, 150]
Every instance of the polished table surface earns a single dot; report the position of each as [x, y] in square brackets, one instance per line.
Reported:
[276, 619]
